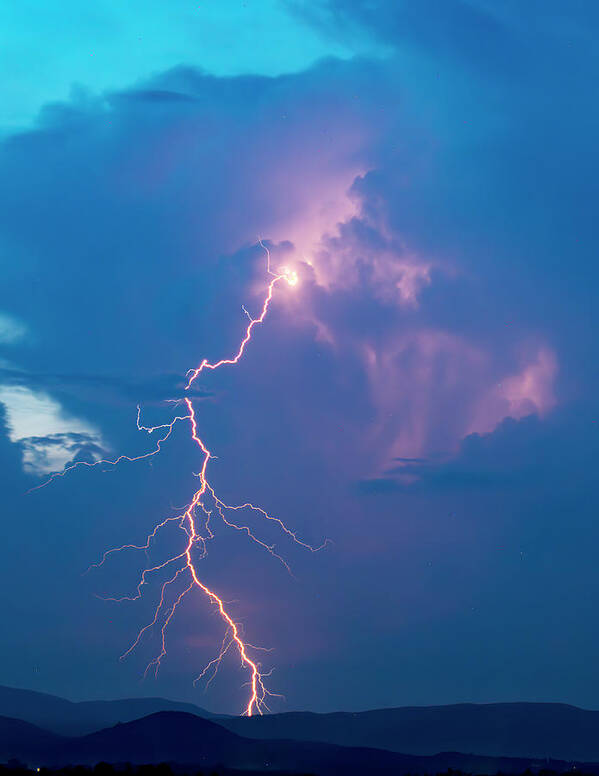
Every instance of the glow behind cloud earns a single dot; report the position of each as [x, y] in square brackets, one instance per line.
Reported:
[49, 436]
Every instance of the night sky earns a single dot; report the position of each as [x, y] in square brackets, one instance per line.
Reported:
[425, 397]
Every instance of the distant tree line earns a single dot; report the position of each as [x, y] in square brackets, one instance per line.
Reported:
[16, 768]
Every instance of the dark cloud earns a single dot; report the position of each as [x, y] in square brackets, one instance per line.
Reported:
[154, 389]
[424, 396]
[458, 31]
[524, 453]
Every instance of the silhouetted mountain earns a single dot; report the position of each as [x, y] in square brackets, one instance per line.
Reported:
[186, 739]
[526, 730]
[22, 738]
[67, 718]
[497, 729]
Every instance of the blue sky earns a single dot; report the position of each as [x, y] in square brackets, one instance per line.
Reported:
[425, 396]
[49, 50]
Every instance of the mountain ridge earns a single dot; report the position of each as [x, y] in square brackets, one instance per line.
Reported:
[74, 718]
[519, 729]
[186, 739]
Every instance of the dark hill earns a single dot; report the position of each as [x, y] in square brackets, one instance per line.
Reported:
[535, 730]
[165, 736]
[18, 738]
[497, 729]
[73, 719]
[189, 740]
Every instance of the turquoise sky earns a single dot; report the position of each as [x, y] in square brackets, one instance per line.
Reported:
[47, 47]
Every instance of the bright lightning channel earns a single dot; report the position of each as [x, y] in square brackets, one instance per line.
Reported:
[183, 566]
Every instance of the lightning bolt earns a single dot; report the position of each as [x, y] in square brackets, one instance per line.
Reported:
[197, 531]
[290, 277]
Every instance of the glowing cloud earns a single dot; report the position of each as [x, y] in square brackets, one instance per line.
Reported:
[49, 438]
[12, 331]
